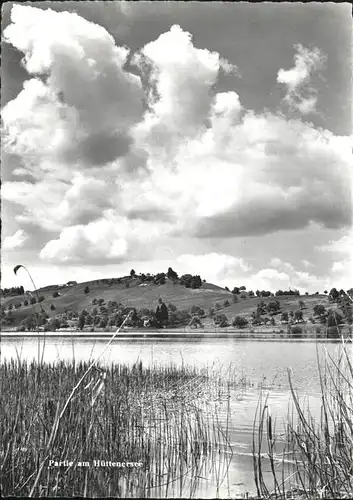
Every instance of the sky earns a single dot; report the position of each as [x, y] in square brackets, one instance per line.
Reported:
[214, 138]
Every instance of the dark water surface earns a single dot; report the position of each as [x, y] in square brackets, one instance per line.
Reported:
[263, 364]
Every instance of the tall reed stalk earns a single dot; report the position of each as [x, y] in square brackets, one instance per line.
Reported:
[314, 456]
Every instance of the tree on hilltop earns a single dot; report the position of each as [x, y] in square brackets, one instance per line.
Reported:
[172, 275]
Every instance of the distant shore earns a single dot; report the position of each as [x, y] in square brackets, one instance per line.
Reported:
[169, 334]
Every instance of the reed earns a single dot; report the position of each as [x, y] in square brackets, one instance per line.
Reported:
[313, 457]
[164, 418]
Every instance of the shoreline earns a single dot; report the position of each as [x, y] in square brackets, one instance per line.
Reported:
[168, 335]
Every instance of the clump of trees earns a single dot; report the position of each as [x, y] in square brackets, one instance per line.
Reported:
[9, 292]
[287, 292]
[190, 281]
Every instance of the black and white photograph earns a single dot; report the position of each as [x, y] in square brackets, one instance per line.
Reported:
[176, 250]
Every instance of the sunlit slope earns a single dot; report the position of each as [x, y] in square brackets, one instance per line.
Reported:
[130, 292]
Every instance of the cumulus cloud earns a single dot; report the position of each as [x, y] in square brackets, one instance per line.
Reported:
[213, 168]
[109, 238]
[88, 243]
[180, 80]
[215, 267]
[17, 240]
[342, 256]
[286, 277]
[80, 104]
[300, 94]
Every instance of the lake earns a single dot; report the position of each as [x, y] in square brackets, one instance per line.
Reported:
[263, 364]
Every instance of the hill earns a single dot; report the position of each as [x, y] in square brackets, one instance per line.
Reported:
[135, 291]
[130, 291]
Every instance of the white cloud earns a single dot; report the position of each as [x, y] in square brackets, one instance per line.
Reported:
[181, 78]
[342, 269]
[17, 240]
[83, 104]
[109, 238]
[297, 79]
[214, 267]
[213, 168]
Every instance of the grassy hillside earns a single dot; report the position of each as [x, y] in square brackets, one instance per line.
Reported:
[131, 291]
[244, 307]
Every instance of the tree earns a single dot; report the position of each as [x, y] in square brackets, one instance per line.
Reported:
[81, 320]
[159, 279]
[162, 314]
[251, 293]
[211, 312]
[226, 303]
[241, 288]
[236, 290]
[319, 310]
[298, 315]
[273, 307]
[197, 311]
[196, 282]
[284, 317]
[132, 273]
[172, 275]
[297, 330]
[240, 322]
[86, 290]
[221, 320]
[25, 303]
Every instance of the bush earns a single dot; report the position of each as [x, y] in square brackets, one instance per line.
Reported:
[86, 290]
[297, 330]
[240, 322]
[221, 320]
[56, 294]
[41, 298]
[52, 307]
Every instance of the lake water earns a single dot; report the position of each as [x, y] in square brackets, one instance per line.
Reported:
[264, 364]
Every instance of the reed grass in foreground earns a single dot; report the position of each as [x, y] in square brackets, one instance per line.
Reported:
[161, 417]
[314, 457]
